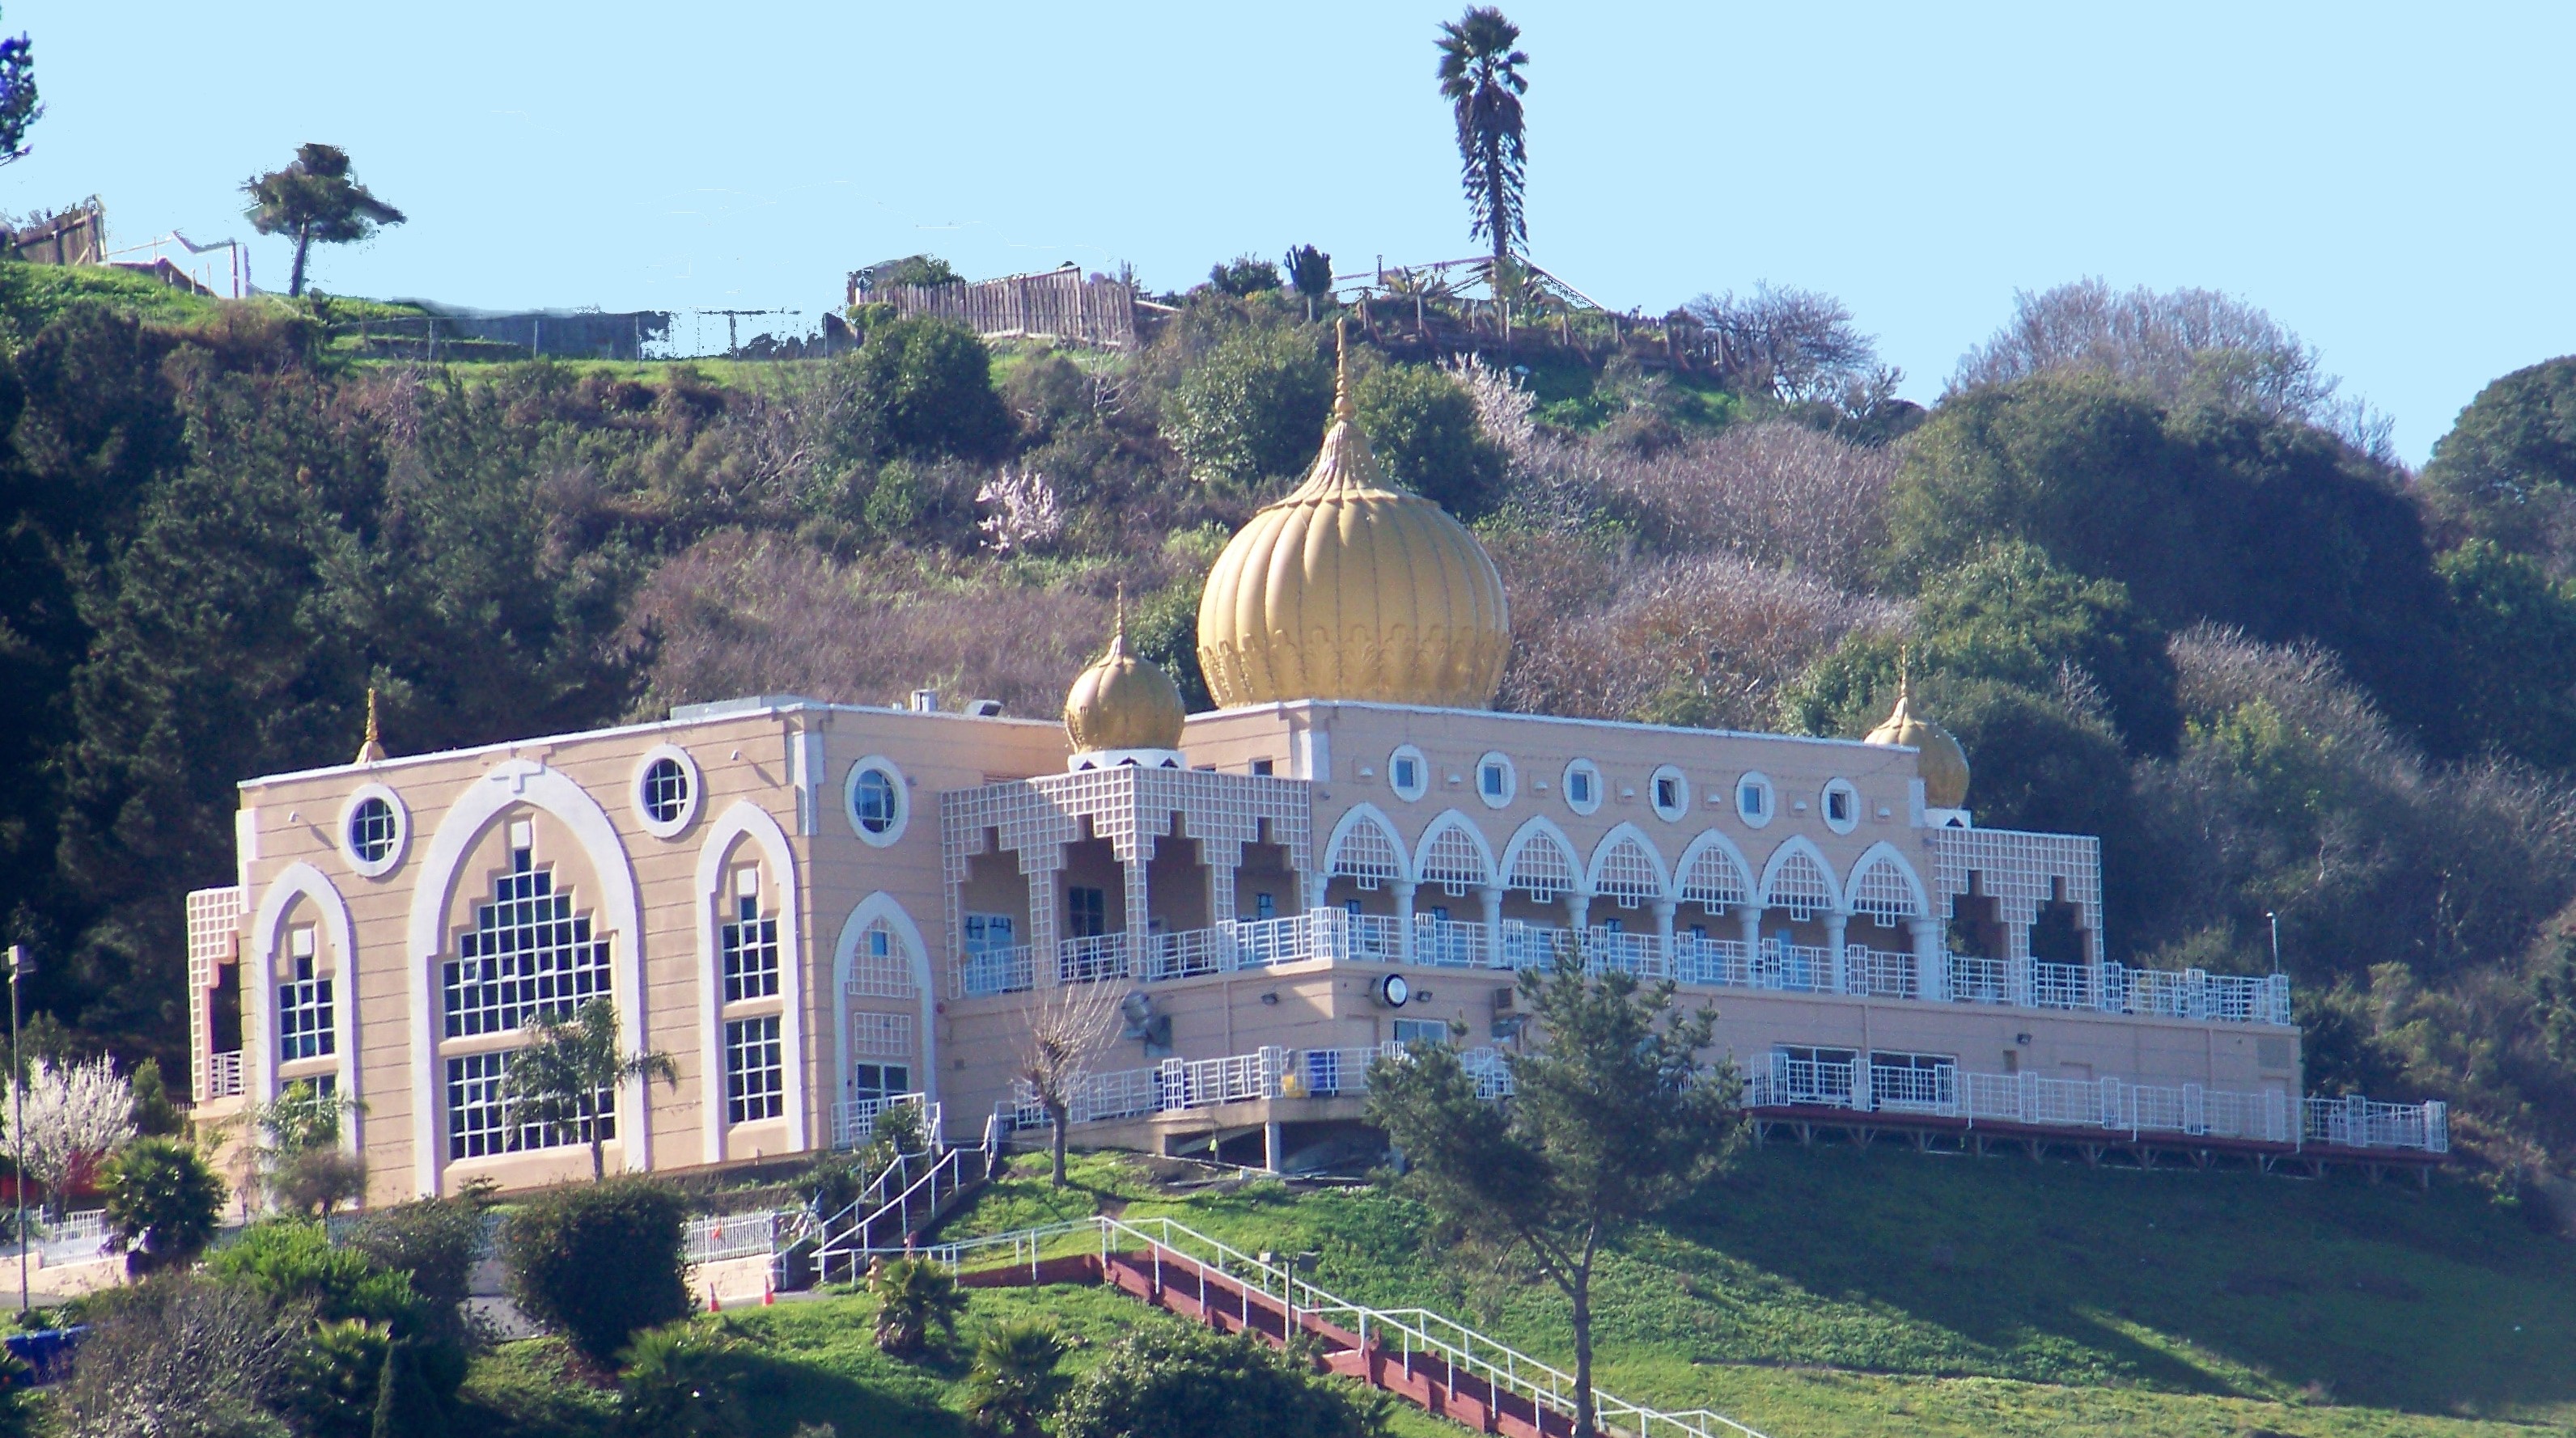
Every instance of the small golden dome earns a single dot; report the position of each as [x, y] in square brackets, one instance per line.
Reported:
[1349, 589]
[1123, 702]
[1944, 764]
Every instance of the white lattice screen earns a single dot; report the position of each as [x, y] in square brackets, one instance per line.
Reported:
[1543, 868]
[1455, 862]
[1880, 891]
[1626, 872]
[1799, 885]
[1716, 879]
[888, 1036]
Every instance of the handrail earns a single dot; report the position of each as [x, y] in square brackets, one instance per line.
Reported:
[1503, 1368]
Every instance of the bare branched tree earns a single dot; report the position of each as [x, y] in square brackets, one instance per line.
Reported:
[182, 1357]
[1502, 405]
[1798, 346]
[1776, 494]
[1067, 1025]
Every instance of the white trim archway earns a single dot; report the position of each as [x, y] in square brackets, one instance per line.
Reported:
[1888, 854]
[549, 791]
[1797, 846]
[1626, 833]
[1351, 822]
[876, 907]
[1713, 839]
[302, 880]
[747, 820]
[1451, 821]
[1542, 829]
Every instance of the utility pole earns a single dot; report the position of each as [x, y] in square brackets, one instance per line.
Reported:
[18, 964]
[2276, 940]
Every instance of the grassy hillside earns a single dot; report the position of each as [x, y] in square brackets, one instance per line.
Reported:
[1820, 1293]
[1830, 1291]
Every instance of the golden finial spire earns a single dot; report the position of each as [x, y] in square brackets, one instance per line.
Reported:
[1342, 407]
[373, 750]
[1118, 634]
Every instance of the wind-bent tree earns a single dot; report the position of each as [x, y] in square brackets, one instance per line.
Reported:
[1480, 78]
[562, 1079]
[1612, 1117]
[314, 199]
[19, 108]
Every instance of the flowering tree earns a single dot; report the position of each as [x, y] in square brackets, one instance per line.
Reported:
[73, 1115]
[1026, 513]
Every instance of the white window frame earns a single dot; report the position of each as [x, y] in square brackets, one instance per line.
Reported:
[1591, 773]
[1756, 779]
[769, 1042]
[1421, 785]
[1850, 795]
[877, 764]
[393, 854]
[1679, 809]
[1511, 779]
[672, 827]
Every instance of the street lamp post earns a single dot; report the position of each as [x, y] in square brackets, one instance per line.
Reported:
[2276, 941]
[18, 964]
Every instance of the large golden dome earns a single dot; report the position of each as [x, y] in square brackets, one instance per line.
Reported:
[1123, 702]
[1348, 589]
[1944, 764]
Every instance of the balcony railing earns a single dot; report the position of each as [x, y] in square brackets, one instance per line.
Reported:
[1855, 970]
[224, 1074]
[1268, 1073]
[2108, 1104]
[854, 1121]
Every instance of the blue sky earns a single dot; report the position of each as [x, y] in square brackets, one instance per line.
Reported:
[2390, 182]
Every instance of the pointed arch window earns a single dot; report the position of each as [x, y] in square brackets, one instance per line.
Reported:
[528, 954]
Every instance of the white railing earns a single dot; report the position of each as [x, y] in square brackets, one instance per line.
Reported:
[78, 1237]
[1855, 970]
[1091, 958]
[1399, 1333]
[1178, 1084]
[1451, 943]
[1011, 970]
[2109, 1104]
[740, 1235]
[854, 1121]
[2356, 1122]
[224, 1074]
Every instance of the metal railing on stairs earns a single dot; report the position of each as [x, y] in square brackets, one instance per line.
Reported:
[1394, 1334]
[910, 1195]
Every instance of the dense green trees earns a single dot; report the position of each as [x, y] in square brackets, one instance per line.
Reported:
[598, 1263]
[1253, 409]
[2507, 470]
[1171, 1381]
[1424, 430]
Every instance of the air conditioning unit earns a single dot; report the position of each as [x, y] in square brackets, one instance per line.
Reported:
[1507, 999]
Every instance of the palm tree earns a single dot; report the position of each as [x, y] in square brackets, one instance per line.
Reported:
[1480, 78]
[1014, 1382]
[914, 1296]
[561, 1078]
[314, 199]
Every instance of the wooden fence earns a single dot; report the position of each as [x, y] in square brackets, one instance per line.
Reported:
[1057, 304]
[74, 237]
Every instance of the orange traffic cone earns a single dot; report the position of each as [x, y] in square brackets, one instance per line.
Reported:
[714, 1304]
[768, 1294]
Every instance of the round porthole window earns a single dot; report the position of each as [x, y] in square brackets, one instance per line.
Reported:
[1670, 791]
[1583, 786]
[1753, 800]
[1496, 782]
[372, 830]
[1408, 773]
[666, 790]
[878, 802]
[1842, 806]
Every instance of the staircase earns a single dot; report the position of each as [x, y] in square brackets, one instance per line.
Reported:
[1438, 1365]
[906, 1201]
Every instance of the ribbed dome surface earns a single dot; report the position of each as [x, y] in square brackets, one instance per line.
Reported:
[1348, 589]
[1123, 702]
[1944, 764]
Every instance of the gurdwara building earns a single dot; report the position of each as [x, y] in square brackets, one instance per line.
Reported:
[819, 910]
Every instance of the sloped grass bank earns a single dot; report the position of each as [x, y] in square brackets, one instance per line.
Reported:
[1824, 1290]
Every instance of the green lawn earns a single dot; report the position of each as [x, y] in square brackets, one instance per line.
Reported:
[1826, 1291]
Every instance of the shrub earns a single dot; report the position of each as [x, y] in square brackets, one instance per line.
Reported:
[1253, 408]
[433, 1242]
[1169, 1381]
[180, 1356]
[1424, 430]
[1014, 1382]
[928, 384]
[915, 1297]
[331, 1384]
[598, 1262]
[1244, 275]
[406, 1406]
[681, 1381]
[292, 1261]
[162, 1201]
